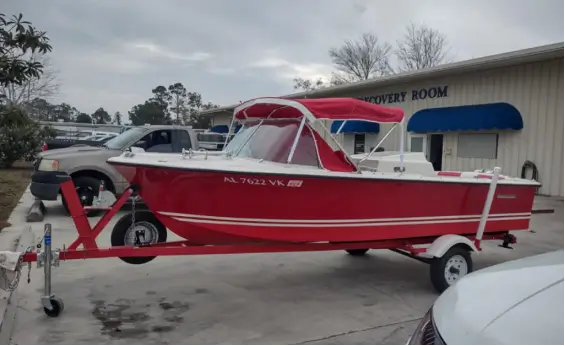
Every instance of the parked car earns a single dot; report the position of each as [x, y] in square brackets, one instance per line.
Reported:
[517, 302]
[93, 138]
[87, 166]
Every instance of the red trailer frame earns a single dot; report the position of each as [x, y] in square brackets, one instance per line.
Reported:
[87, 238]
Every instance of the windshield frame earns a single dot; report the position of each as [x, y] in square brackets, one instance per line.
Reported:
[133, 133]
[249, 130]
[234, 145]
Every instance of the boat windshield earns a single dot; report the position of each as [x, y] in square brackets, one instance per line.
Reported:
[272, 141]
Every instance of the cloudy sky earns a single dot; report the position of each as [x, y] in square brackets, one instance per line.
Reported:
[111, 53]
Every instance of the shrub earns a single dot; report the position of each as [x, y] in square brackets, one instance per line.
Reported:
[21, 138]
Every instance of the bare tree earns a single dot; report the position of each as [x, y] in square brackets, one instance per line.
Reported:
[307, 84]
[361, 59]
[421, 47]
[315, 84]
[43, 86]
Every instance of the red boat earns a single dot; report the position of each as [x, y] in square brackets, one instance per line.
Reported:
[278, 180]
[280, 187]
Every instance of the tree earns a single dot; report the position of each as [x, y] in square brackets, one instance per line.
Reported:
[83, 118]
[40, 109]
[150, 112]
[421, 47]
[307, 84]
[118, 118]
[17, 38]
[177, 102]
[64, 111]
[161, 97]
[201, 122]
[100, 116]
[361, 59]
[194, 104]
[186, 106]
[44, 86]
[20, 137]
[314, 84]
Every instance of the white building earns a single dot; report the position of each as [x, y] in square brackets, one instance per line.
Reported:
[504, 110]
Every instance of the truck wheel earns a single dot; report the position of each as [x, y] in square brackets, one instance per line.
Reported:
[449, 268]
[87, 188]
[147, 229]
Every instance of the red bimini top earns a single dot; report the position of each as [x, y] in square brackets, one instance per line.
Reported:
[323, 108]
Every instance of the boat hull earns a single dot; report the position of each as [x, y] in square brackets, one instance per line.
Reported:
[210, 207]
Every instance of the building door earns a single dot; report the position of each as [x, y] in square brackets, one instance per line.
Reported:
[436, 150]
[418, 144]
[359, 143]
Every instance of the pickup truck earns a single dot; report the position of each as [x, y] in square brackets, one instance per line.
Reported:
[87, 167]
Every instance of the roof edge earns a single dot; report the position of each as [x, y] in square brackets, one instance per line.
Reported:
[528, 55]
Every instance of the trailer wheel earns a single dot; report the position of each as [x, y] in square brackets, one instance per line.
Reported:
[146, 230]
[447, 269]
[57, 307]
[357, 252]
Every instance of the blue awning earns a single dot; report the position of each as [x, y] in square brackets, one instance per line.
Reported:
[220, 129]
[355, 126]
[493, 116]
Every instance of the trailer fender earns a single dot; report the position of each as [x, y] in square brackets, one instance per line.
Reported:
[442, 244]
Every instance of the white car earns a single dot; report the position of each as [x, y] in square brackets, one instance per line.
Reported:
[516, 302]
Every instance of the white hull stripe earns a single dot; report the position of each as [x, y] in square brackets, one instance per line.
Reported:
[370, 224]
[411, 220]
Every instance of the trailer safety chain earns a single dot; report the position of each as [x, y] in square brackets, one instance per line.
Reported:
[12, 283]
[133, 212]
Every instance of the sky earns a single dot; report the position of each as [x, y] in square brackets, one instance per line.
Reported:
[111, 54]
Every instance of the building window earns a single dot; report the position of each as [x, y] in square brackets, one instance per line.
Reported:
[359, 143]
[417, 144]
[477, 145]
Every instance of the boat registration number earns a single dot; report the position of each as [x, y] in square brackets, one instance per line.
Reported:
[265, 182]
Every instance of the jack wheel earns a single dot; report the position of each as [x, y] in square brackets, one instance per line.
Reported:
[147, 230]
[57, 307]
[357, 252]
[449, 268]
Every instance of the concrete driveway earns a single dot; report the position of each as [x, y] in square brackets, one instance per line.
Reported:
[295, 298]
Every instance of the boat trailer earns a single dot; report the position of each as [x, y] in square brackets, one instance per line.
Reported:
[448, 255]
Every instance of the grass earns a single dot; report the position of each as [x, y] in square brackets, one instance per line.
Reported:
[13, 182]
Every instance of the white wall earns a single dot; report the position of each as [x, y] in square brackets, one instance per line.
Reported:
[348, 141]
[222, 119]
[535, 89]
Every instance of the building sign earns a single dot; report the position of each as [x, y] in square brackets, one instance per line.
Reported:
[414, 95]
